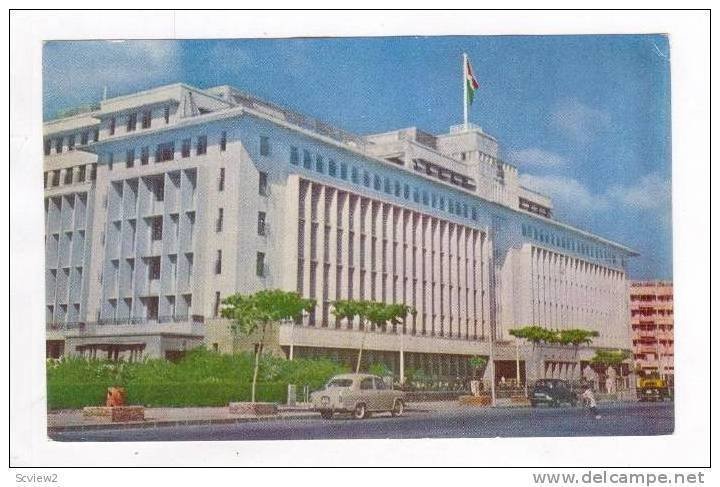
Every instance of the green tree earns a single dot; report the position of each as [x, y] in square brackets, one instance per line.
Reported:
[607, 357]
[535, 335]
[258, 312]
[477, 363]
[576, 337]
[370, 314]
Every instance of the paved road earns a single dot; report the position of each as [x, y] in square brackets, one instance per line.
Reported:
[617, 420]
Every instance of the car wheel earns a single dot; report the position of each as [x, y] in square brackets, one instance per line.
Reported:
[398, 408]
[360, 411]
[326, 414]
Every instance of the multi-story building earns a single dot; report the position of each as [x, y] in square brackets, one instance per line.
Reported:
[190, 195]
[651, 309]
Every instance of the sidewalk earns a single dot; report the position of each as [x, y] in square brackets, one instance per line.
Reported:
[74, 419]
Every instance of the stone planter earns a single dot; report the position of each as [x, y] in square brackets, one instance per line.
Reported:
[117, 414]
[480, 401]
[253, 408]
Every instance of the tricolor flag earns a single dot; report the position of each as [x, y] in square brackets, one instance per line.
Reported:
[471, 82]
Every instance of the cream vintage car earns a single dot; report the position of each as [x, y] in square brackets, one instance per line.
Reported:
[359, 394]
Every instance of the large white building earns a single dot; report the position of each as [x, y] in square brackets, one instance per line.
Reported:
[161, 203]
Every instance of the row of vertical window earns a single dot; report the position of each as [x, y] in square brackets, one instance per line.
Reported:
[166, 151]
[74, 174]
[392, 187]
[131, 120]
[73, 140]
[567, 243]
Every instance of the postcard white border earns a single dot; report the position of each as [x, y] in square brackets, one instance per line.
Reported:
[690, 109]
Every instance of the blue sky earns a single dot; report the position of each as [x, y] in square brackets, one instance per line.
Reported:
[585, 118]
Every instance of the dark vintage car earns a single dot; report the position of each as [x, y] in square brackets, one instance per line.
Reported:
[552, 392]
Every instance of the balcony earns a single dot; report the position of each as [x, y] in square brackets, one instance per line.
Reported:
[178, 324]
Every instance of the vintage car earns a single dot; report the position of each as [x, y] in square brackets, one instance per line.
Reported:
[552, 392]
[359, 394]
[653, 388]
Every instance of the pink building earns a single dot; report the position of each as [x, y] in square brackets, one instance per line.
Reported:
[651, 309]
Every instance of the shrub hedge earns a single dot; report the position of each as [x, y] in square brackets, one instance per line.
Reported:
[201, 378]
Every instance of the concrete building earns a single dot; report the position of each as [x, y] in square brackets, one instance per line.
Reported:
[162, 202]
[651, 309]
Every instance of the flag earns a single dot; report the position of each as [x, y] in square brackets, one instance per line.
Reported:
[471, 82]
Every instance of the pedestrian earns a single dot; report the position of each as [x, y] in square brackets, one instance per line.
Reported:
[588, 398]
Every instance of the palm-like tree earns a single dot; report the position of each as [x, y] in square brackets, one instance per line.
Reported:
[370, 313]
[258, 312]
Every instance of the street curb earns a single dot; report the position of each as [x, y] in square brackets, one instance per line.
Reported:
[181, 422]
[189, 422]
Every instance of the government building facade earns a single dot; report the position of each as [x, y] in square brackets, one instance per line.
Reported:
[161, 203]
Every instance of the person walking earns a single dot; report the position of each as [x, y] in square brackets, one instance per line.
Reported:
[588, 398]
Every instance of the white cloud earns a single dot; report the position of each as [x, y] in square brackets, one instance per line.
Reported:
[567, 193]
[570, 196]
[648, 193]
[579, 122]
[534, 157]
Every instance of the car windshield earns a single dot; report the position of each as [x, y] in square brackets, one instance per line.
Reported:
[339, 383]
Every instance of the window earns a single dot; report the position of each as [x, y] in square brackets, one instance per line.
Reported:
[201, 148]
[158, 188]
[68, 176]
[132, 122]
[319, 164]
[112, 126]
[96, 135]
[58, 145]
[332, 168]
[130, 157]
[377, 183]
[221, 180]
[262, 184]
[165, 152]
[166, 115]
[47, 145]
[223, 141]
[156, 228]
[146, 119]
[216, 310]
[355, 177]
[71, 142]
[343, 171]
[264, 145]
[294, 156]
[153, 268]
[366, 384]
[185, 148]
[366, 179]
[261, 223]
[260, 264]
[84, 138]
[218, 262]
[81, 174]
[219, 222]
[406, 192]
[307, 159]
[144, 155]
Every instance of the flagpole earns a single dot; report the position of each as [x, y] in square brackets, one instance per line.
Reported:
[465, 93]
